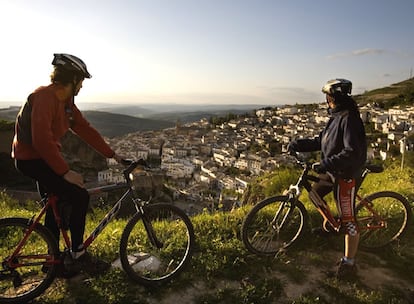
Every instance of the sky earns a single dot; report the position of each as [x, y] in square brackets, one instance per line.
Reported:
[207, 51]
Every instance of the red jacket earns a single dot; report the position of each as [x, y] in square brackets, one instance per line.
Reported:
[42, 122]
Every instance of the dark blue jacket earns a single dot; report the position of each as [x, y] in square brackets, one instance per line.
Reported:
[342, 142]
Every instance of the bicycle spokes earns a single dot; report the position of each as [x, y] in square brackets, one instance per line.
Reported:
[157, 244]
[272, 225]
[27, 272]
[382, 218]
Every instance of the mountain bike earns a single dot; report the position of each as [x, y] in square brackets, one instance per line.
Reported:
[277, 222]
[155, 246]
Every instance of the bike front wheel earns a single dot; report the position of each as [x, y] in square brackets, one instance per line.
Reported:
[157, 244]
[382, 217]
[273, 224]
[31, 270]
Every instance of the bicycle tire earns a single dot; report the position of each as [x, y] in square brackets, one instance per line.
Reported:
[259, 231]
[29, 279]
[142, 260]
[394, 213]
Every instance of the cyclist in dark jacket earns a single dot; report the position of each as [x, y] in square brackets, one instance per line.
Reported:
[344, 149]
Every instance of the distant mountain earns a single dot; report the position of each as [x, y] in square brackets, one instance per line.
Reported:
[185, 117]
[114, 120]
[9, 113]
[172, 108]
[172, 112]
[112, 125]
[125, 109]
[108, 124]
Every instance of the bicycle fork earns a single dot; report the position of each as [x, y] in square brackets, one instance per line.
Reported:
[275, 221]
[150, 230]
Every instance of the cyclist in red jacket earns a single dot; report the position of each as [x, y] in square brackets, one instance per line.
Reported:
[344, 150]
[47, 115]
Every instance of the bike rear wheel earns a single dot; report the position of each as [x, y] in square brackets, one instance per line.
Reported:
[157, 245]
[31, 271]
[273, 224]
[383, 217]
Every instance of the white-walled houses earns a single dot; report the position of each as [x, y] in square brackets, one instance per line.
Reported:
[204, 155]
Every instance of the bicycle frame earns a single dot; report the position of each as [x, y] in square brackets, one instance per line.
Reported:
[51, 201]
[108, 217]
[304, 181]
[33, 222]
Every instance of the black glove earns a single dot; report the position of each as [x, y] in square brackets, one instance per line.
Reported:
[142, 162]
[318, 168]
[292, 147]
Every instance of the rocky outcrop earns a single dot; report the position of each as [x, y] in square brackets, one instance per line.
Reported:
[82, 157]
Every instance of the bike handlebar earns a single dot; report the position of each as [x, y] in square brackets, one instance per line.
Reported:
[132, 164]
[373, 168]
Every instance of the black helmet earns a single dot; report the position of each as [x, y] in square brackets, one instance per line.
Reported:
[337, 86]
[71, 63]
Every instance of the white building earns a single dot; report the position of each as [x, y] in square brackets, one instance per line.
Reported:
[110, 176]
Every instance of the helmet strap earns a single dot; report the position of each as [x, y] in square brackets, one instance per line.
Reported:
[75, 83]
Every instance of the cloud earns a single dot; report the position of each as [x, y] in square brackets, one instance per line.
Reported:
[360, 52]
[367, 52]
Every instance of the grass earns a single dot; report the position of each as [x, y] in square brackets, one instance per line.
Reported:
[222, 271]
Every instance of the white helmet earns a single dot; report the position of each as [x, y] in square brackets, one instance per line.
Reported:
[71, 63]
[338, 85]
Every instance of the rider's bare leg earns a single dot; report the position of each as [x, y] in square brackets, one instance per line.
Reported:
[351, 245]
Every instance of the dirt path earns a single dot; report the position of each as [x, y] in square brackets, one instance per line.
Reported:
[370, 278]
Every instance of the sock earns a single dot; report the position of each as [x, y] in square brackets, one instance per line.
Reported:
[348, 261]
[77, 254]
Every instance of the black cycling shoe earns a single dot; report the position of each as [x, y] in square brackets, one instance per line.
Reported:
[61, 271]
[346, 271]
[90, 264]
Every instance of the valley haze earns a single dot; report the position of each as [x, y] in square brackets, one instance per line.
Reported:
[167, 111]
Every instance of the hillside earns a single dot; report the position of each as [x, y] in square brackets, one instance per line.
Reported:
[222, 271]
[112, 125]
[401, 93]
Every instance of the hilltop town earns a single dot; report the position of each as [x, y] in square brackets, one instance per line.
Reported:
[209, 163]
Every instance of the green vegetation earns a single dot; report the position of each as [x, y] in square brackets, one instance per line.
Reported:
[222, 271]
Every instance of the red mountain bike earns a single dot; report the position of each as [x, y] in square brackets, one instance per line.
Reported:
[277, 222]
[155, 245]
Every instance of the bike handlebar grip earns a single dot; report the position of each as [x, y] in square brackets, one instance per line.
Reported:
[126, 162]
[133, 164]
[130, 168]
